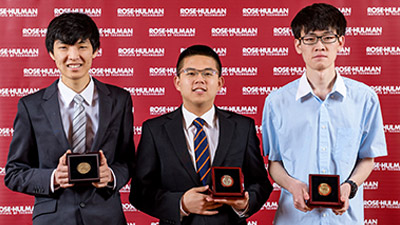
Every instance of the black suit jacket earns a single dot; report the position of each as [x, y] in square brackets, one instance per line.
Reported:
[165, 171]
[39, 141]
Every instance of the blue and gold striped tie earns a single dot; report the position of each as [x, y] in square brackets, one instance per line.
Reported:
[201, 151]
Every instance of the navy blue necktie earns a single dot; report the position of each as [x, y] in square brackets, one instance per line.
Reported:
[201, 150]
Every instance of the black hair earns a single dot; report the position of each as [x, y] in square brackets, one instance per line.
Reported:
[319, 16]
[198, 50]
[71, 27]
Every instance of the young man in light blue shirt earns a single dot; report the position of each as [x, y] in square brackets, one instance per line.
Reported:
[322, 123]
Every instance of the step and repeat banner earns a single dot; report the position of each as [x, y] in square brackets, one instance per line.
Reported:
[140, 43]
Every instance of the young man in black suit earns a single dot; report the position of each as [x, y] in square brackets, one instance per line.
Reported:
[166, 184]
[46, 128]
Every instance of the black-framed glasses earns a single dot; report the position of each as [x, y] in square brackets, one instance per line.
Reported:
[313, 39]
[195, 72]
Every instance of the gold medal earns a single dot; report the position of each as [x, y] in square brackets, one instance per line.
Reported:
[83, 167]
[324, 189]
[226, 181]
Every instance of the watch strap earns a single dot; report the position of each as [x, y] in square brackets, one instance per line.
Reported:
[354, 188]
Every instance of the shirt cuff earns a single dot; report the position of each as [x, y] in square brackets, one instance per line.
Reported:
[52, 188]
[183, 212]
[242, 213]
[112, 185]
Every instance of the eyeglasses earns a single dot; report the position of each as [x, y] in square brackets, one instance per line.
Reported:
[195, 72]
[313, 39]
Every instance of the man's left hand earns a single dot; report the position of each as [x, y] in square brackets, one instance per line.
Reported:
[238, 204]
[105, 172]
[345, 189]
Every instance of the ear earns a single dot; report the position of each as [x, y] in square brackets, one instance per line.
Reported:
[52, 56]
[297, 46]
[221, 82]
[341, 41]
[177, 82]
[95, 53]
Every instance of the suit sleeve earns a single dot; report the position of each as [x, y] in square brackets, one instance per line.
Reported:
[147, 193]
[22, 169]
[255, 175]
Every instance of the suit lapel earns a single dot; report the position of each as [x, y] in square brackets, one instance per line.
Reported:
[226, 131]
[51, 108]
[105, 111]
[174, 129]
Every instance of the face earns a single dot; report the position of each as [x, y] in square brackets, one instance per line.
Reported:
[73, 61]
[197, 86]
[319, 56]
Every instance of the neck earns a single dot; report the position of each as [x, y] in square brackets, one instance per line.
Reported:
[76, 85]
[321, 81]
[197, 110]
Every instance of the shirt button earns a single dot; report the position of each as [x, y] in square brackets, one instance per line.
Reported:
[82, 205]
[323, 126]
[324, 215]
[323, 171]
[332, 96]
[323, 149]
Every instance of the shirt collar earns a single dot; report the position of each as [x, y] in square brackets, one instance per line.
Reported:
[68, 94]
[189, 117]
[305, 87]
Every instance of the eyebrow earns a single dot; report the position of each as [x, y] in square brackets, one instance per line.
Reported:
[83, 41]
[325, 32]
[58, 41]
[190, 68]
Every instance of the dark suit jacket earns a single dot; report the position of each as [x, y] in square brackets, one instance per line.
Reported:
[165, 171]
[39, 141]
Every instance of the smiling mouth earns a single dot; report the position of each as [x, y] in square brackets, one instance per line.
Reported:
[74, 66]
[199, 90]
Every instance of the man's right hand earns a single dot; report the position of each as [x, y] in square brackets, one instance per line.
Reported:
[195, 201]
[300, 194]
[61, 174]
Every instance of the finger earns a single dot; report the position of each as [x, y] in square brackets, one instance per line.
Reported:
[67, 185]
[62, 159]
[213, 206]
[306, 196]
[61, 169]
[200, 189]
[208, 213]
[246, 195]
[222, 201]
[96, 185]
[103, 159]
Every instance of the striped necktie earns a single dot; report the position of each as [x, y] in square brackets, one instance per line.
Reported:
[201, 150]
[79, 126]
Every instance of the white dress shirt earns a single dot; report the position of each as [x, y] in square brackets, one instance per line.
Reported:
[211, 128]
[91, 103]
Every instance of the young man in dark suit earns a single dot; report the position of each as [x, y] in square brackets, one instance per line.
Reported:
[172, 176]
[79, 114]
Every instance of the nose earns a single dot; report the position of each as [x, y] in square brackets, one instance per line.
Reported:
[199, 78]
[73, 53]
[319, 46]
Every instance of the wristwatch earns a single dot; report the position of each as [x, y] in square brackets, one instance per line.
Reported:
[354, 188]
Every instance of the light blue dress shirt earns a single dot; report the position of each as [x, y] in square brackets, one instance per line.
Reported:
[314, 136]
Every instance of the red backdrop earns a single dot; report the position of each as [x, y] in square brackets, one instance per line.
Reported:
[140, 43]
